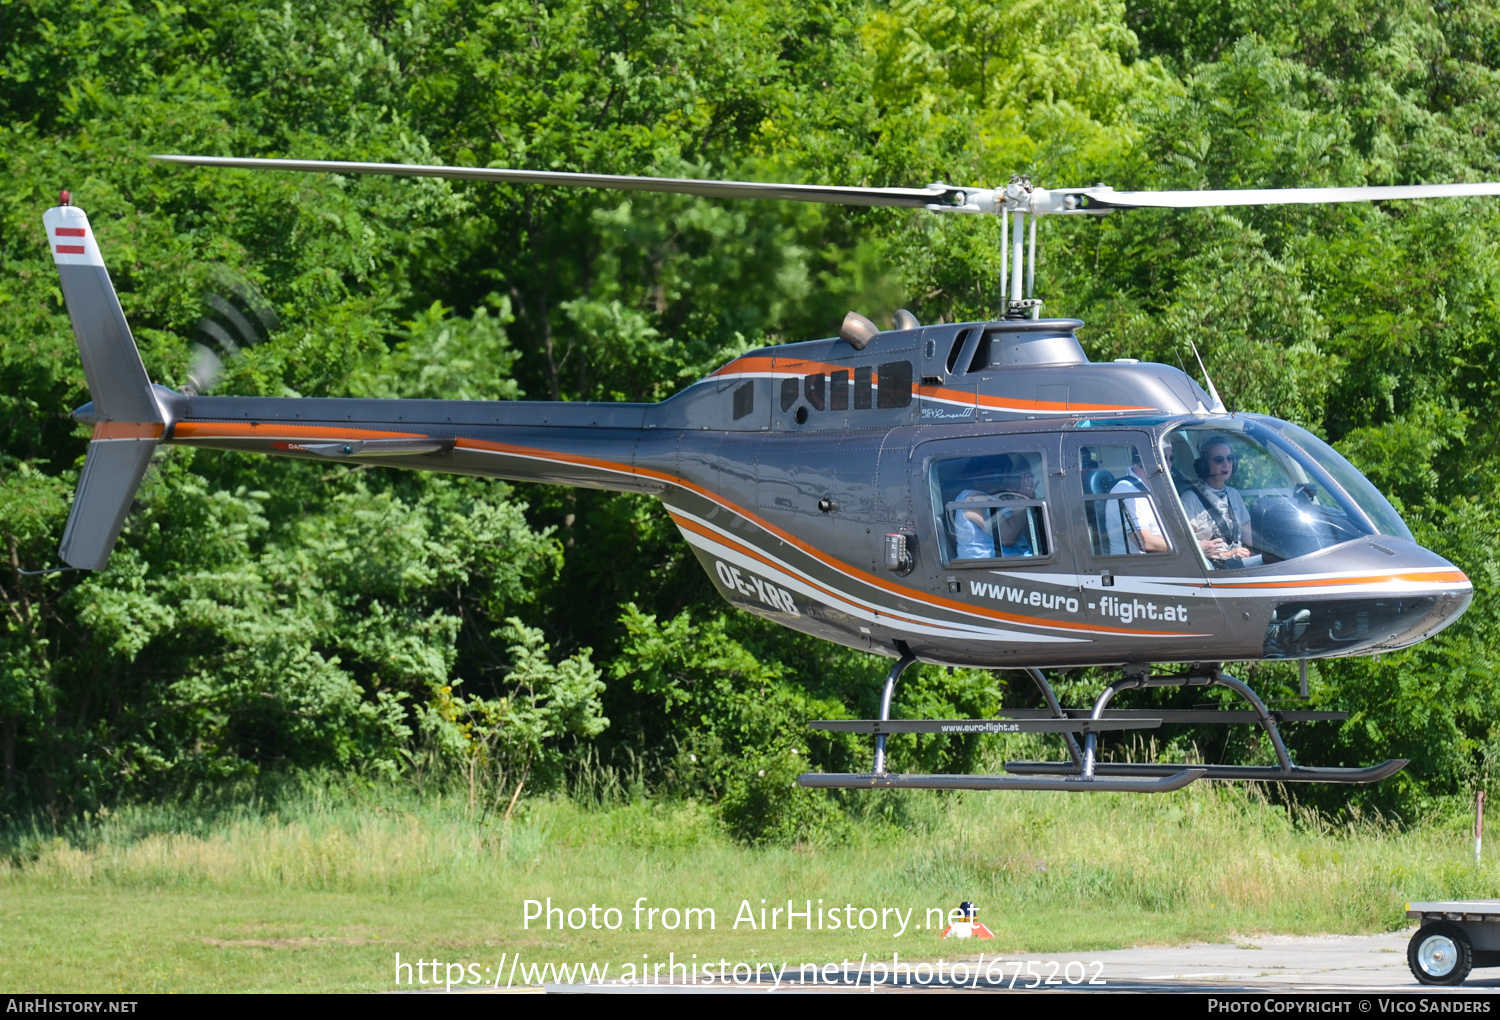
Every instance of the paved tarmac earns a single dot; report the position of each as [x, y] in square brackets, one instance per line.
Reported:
[1274, 964]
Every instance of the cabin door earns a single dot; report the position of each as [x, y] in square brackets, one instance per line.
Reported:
[1144, 586]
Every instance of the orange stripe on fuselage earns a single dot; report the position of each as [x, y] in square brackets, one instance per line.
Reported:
[128, 430]
[278, 430]
[746, 549]
[950, 604]
[1015, 404]
[1429, 575]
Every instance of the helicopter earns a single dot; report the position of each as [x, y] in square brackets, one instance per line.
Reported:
[973, 494]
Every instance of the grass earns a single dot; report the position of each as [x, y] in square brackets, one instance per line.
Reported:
[322, 892]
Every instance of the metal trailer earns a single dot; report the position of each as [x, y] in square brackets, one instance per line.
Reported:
[1455, 936]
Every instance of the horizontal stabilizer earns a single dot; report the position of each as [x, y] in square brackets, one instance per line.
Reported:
[111, 474]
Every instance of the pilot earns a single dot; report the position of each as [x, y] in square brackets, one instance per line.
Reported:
[1215, 509]
[1132, 526]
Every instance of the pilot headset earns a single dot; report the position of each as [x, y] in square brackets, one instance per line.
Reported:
[1200, 466]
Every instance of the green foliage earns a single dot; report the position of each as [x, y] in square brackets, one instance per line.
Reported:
[738, 726]
[267, 618]
[517, 740]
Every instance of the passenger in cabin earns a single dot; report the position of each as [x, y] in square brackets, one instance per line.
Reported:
[1132, 526]
[979, 531]
[1019, 482]
[971, 528]
[1216, 510]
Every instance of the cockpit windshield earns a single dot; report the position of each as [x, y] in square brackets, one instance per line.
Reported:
[1368, 498]
[1254, 494]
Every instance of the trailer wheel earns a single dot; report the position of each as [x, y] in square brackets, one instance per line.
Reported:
[1440, 954]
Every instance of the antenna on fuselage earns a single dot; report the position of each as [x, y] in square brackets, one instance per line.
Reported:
[1218, 407]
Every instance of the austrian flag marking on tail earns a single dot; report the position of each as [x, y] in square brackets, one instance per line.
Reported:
[70, 237]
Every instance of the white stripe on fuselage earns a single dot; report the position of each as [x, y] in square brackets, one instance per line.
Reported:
[1280, 585]
[904, 620]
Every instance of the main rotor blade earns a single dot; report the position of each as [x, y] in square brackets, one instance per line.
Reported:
[1105, 198]
[935, 197]
[910, 198]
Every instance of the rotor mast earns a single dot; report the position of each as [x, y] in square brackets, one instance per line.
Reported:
[1014, 203]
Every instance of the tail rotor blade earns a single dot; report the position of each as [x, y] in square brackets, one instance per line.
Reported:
[204, 370]
[237, 316]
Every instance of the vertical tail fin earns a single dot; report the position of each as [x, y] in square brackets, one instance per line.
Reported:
[127, 418]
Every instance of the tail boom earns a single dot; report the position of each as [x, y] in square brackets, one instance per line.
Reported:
[587, 445]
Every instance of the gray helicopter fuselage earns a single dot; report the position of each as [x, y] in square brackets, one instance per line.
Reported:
[787, 469]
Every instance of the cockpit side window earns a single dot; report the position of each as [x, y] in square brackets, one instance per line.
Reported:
[991, 507]
[1252, 498]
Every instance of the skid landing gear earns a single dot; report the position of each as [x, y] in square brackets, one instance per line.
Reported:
[880, 778]
[1083, 773]
[1285, 771]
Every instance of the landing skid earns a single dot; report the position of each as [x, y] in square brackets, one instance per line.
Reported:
[1252, 773]
[1176, 780]
[1083, 773]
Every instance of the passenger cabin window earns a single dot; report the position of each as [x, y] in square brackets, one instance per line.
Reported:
[1117, 505]
[894, 388]
[862, 388]
[1253, 496]
[812, 389]
[838, 391]
[887, 386]
[744, 400]
[991, 507]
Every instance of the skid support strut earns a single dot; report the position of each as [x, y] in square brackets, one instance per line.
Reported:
[1285, 771]
[907, 658]
[1057, 712]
